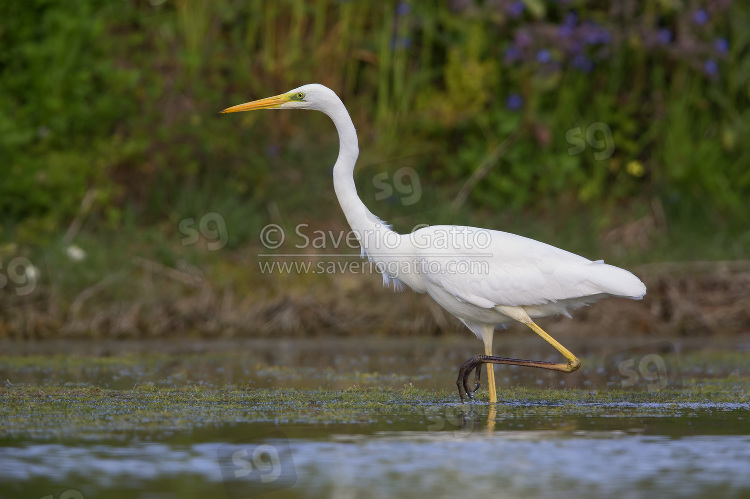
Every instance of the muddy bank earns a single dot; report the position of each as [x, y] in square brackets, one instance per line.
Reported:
[683, 300]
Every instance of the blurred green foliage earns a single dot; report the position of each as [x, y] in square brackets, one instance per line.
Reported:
[614, 106]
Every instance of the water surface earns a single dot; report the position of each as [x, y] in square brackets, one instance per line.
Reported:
[694, 441]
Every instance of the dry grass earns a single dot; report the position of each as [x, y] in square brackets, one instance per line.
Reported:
[693, 299]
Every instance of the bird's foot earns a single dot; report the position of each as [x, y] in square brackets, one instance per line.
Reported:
[463, 377]
[477, 378]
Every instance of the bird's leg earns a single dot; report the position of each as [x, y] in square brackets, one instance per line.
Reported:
[490, 373]
[463, 377]
[473, 363]
[485, 332]
[520, 314]
[573, 362]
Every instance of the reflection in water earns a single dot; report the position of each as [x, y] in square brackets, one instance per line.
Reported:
[491, 416]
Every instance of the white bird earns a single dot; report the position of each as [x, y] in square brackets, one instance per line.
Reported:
[486, 278]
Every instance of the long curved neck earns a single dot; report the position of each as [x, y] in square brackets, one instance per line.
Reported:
[360, 219]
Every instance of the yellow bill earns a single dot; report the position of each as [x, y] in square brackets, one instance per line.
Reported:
[267, 103]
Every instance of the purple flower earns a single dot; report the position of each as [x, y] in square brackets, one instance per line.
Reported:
[403, 8]
[710, 67]
[583, 63]
[575, 47]
[565, 31]
[571, 20]
[523, 39]
[700, 17]
[516, 9]
[543, 56]
[512, 54]
[593, 34]
[514, 102]
[722, 45]
[664, 36]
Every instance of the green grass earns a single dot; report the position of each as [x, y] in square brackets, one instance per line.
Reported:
[117, 104]
[44, 411]
[121, 101]
[169, 400]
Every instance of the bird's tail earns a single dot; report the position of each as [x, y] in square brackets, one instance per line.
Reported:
[616, 281]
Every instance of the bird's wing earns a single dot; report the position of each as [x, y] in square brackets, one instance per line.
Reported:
[488, 268]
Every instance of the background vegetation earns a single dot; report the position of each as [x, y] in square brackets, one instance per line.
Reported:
[613, 129]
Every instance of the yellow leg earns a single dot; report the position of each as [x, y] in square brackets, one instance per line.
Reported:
[573, 362]
[486, 331]
[491, 375]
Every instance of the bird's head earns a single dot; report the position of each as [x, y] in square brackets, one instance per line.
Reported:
[312, 96]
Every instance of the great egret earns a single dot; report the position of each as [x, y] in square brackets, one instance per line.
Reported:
[486, 278]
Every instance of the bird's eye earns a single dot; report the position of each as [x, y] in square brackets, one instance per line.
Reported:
[297, 96]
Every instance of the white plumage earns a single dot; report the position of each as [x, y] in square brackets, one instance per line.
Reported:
[520, 272]
[486, 278]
